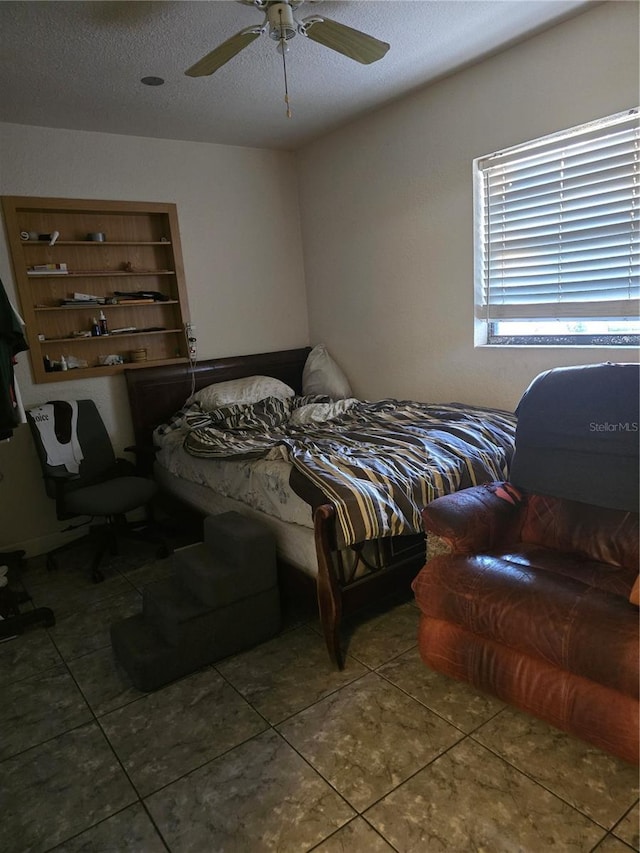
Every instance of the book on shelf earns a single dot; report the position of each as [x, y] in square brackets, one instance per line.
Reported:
[47, 272]
[144, 301]
[84, 296]
[48, 268]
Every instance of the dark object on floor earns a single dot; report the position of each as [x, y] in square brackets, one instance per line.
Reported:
[222, 598]
[104, 487]
[14, 621]
[535, 601]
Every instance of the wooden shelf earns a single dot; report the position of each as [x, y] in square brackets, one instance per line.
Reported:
[98, 306]
[95, 243]
[100, 339]
[143, 235]
[97, 274]
[104, 370]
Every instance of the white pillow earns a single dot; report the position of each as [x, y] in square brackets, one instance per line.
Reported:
[321, 375]
[249, 389]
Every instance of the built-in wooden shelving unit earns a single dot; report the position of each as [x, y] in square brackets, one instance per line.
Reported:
[140, 254]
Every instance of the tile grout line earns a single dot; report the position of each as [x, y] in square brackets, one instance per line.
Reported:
[540, 784]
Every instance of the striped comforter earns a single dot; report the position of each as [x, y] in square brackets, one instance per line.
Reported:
[378, 463]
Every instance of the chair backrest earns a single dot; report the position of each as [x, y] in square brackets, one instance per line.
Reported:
[577, 435]
[96, 447]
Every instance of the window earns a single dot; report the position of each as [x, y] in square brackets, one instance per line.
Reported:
[558, 237]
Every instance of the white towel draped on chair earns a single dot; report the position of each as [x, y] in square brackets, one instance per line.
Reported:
[57, 425]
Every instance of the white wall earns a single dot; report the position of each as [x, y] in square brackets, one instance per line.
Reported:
[386, 206]
[246, 292]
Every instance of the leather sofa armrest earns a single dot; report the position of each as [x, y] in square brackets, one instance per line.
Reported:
[477, 519]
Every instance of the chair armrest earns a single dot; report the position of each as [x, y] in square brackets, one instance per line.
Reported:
[145, 457]
[481, 518]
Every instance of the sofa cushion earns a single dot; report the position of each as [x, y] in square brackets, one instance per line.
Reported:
[580, 706]
[616, 580]
[523, 601]
[605, 535]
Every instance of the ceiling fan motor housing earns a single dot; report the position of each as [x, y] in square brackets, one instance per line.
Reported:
[281, 23]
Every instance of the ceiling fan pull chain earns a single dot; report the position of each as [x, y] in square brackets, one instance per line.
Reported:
[286, 87]
[284, 47]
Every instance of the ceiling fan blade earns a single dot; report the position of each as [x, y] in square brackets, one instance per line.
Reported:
[345, 40]
[224, 52]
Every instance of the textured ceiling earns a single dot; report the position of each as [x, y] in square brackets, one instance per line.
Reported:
[78, 64]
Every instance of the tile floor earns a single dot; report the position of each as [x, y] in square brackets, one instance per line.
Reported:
[273, 750]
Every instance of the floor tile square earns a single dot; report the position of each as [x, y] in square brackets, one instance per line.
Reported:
[288, 673]
[354, 837]
[367, 738]
[148, 572]
[39, 708]
[166, 734]
[459, 703]
[469, 799]
[60, 788]
[601, 786]
[129, 830]
[380, 634]
[260, 796]
[88, 629]
[70, 589]
[104, 684]
[26, 655]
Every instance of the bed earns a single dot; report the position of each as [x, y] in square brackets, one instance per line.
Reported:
[347, 564]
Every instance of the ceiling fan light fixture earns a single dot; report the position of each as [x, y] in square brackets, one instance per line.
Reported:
[282, 26]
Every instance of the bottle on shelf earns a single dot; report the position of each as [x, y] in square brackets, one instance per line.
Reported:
[104, 329]
[63, 363]
[95, 328]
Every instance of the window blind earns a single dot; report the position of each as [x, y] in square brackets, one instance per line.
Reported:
[560, 236]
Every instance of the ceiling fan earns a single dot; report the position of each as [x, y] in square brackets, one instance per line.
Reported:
[282, 25]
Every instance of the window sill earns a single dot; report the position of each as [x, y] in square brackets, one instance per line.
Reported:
[527, 345]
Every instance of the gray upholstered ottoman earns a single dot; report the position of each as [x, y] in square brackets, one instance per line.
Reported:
[221, 598]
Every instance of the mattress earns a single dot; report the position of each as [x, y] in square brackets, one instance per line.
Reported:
[262, 484]
[295, 542]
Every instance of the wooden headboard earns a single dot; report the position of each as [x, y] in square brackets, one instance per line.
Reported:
[155, 393]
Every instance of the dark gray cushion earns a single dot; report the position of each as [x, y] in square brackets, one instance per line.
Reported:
[114, 497]
[577, 435]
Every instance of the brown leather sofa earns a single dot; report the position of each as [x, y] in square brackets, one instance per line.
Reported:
[534, 601]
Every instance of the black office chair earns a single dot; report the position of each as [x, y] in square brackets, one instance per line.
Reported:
[104, 487]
